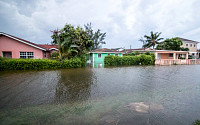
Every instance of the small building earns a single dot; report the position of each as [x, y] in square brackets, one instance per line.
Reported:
[191, 45]
[96, 57]
[14, 47]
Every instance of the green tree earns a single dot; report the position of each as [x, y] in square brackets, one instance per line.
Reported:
[172, 44]
[151, 40]
[72, 41]
[97, 37]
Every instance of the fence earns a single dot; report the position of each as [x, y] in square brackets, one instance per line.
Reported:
[177, 61]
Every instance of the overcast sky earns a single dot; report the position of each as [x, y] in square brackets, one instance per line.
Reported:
[124, 21]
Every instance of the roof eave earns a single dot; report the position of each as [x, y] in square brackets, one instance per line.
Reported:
[22, 41]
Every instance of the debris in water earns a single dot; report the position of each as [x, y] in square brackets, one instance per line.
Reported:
[144, 107]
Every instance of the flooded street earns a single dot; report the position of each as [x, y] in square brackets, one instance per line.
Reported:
[117, 95]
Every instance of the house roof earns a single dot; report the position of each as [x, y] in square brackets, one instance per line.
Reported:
[38, 46]
[48, 47]
[187, 40]
[139, 49]
[105, 50]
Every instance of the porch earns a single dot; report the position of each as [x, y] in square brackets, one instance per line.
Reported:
[167, 57]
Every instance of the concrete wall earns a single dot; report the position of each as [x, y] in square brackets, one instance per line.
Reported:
[11, 45]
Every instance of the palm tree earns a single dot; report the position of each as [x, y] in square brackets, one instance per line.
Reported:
[66, 48]
[152, 40]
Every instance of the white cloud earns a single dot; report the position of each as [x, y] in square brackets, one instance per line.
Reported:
[125, 21]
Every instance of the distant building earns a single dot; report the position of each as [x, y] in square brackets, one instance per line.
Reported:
[14, 47]
[191, 45]
[96, 57]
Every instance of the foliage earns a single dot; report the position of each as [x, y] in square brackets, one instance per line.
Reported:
[197, 122]
[54, 55]
[72, 41]
[142, 59]
[151, 40]
[97, 37]
[32, 64]
[185, 49]
[171, 44]
[132, 54]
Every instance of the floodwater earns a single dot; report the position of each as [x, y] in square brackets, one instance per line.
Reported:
[116, 95]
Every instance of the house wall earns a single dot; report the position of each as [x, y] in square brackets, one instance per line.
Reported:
[165, 56]
[99, 62]
[8, 44]
[191, 49]
[96, 59]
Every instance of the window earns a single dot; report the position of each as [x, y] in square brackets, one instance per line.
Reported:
[190, 45]
[99, 55]
[7, 54]
[194, 45]
[171, 55]
[193, 54]
[116, 54]
[187, 45]
[27, 55]
[108, 54]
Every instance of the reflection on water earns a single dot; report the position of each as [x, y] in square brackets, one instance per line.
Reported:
[99, 64]
[74, 85]
[175, 89]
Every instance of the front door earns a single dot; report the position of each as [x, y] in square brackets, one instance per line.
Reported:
[7, 54]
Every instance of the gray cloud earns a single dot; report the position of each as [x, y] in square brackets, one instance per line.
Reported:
[125, 21]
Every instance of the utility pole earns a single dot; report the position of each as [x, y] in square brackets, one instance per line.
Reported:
[130, 46]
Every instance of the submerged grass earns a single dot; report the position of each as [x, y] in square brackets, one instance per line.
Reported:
[76, 113]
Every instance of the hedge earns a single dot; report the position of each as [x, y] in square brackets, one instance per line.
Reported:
[28, 64]
[141, 59]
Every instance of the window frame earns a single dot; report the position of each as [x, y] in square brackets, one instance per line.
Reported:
[26, 55]
[99, 54]
[190, 44]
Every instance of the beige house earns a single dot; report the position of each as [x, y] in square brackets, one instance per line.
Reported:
[168, 57]
[191, 45]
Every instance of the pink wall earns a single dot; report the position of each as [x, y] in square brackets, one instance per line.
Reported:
[8, 44]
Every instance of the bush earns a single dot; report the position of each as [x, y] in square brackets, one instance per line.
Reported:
[54, 55]
[197, 122]
[28, 64]
[142, 59]
[72, 63]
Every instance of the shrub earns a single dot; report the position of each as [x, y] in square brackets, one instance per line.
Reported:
[142, 59]
[72, 63]
[28, 64]
[54, 55]
[197, 122]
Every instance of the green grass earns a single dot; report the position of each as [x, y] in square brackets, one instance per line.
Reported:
[76, 113]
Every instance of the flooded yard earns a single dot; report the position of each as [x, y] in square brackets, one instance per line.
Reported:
[117, 95]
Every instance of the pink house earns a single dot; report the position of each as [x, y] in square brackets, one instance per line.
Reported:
[14, 47]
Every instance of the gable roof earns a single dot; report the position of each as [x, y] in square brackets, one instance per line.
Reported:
[105, 50]
[187, 40]
[23, 41]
